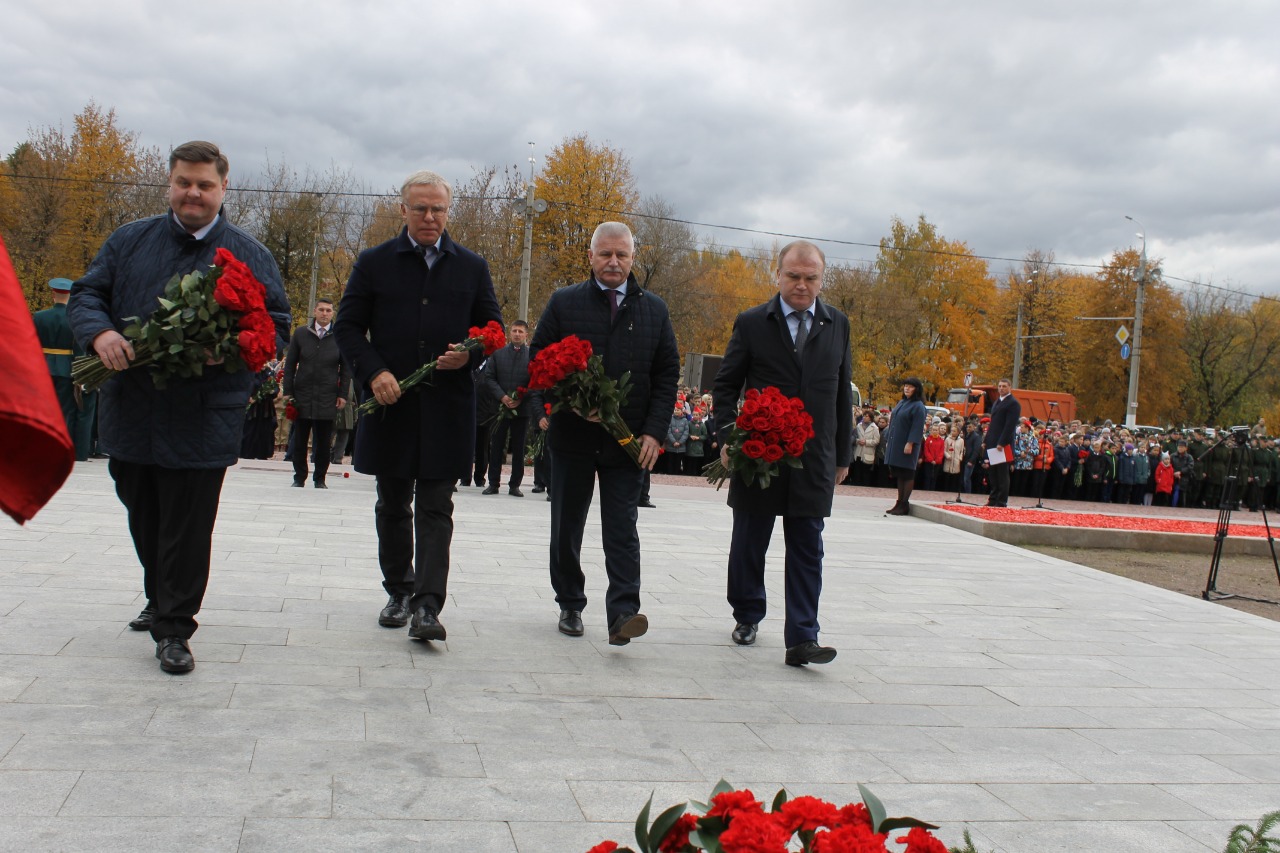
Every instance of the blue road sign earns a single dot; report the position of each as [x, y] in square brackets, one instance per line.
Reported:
[1124, 350]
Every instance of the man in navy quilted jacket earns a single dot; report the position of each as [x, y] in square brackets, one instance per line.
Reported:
[170, 448]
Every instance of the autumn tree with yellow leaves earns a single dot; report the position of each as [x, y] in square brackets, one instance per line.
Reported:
[60, 195]
[584, 184]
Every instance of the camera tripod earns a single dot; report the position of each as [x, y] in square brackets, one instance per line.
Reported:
[1225, 506]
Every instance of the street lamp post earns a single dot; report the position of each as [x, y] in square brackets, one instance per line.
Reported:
[1018, 337]
[1135, 354]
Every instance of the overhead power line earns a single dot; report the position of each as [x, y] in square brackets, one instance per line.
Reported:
[652, 217]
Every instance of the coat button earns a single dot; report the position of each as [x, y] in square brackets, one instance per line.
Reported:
[425, 300]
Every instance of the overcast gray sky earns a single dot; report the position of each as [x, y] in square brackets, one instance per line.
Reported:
[1012, 126]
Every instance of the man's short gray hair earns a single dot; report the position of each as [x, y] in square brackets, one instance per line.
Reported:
[612, 229]
[424, 178]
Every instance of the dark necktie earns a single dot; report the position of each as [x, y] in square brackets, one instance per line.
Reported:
[428, 253]
[613, 305]
[802, 331]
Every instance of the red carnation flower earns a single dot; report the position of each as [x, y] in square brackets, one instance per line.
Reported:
[919, 840]
[604, 847]
[730, 804]
[754, 832]
[806, 814]
[678, 836]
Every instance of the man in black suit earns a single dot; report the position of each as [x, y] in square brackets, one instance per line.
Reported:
[408, 301]
[799, 345]
[631, 330]
[507, 371]
[1005, 413]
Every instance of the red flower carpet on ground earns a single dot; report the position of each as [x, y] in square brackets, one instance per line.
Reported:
[1109, 522]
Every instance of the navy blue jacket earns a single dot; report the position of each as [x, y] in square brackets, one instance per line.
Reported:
[397, 315]
[761, 354]
[641, 341]
[191, 423]
[906, 424]
[1004, 422]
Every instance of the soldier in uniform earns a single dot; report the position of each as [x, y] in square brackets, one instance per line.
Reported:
[1194, 486]
[60, 348]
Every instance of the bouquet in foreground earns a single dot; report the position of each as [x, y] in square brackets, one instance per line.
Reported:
[735, 822]
[578, 381]
[215, 317]
[490, 339]
[770, 428]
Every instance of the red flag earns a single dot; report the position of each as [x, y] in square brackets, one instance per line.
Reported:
[38, 452]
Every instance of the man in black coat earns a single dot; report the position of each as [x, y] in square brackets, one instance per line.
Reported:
[801, 346]
[631, 330]
[408, 301]
[1005, 414]
[316, 378]
[507, 371]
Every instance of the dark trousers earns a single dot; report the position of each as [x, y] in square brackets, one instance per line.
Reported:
[516, 428]
[171, 516]
[302, 431]
[573, 477]
[802, 569]
[482, 453]
[541, 468]
[79, 418]
[998, 476]
[414, 520]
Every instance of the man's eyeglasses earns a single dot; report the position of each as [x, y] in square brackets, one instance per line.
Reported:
[437, 211]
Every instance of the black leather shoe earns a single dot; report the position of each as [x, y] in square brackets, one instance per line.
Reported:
[537, 490]
[810, 652]
[396, 613]
[319, 484]
[744, 633]
[145, 619]
[571, 623]
[491, 490]
[648, 504]
[298, 484]
[627, 627]
[426, 626]
[175, 655]
[515, 492]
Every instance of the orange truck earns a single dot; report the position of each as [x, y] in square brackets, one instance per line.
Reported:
[1042, 405]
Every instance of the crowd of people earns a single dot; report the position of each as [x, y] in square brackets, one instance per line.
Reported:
[1074, 460]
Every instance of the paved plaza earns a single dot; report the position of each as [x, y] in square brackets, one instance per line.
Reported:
[1043, 705]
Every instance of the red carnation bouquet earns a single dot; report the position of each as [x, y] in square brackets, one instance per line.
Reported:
[491, 339]
[215, 317]
[770, 428]
[578, 381]
[736, 822]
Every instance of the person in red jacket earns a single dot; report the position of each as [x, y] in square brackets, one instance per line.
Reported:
[1164, 481]
[931, 457]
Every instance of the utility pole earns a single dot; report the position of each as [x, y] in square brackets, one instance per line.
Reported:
[1017, 348]
[1135, 355]
[315, 257]
[1017, 336]
[530, 207]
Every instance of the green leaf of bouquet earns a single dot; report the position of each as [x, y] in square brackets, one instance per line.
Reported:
[778, 799]
[721, 787]
[891, 823]
[874, 807]
[792, 462]
[665, 821]
[706, 840]
[132, 331]
[166, 304]
[642, 826]
[175, 348]
[203, 314]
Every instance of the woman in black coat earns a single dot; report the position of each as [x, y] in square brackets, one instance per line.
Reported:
[903, 442]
